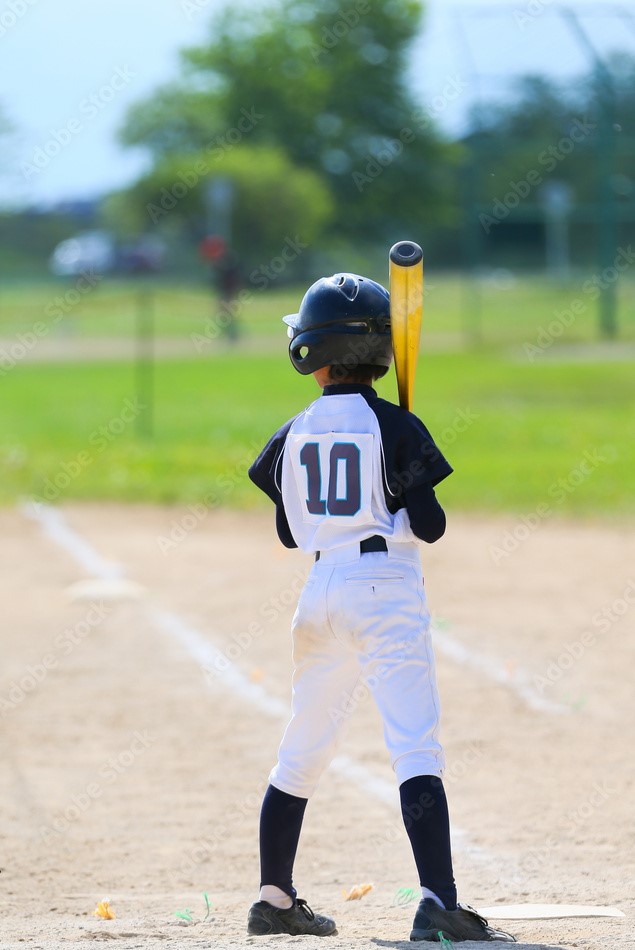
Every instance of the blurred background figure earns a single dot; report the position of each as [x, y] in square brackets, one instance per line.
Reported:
[226, 282]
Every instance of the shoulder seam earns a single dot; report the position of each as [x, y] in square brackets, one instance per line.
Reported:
[384, 472]
[278, 482]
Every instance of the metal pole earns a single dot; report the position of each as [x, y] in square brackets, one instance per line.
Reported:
[471, 308]
[144, 363]
[607, 216]
[472, 238]
[608, 237]
[556, 199]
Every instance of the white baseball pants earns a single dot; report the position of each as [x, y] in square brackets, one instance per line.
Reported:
[361, 625]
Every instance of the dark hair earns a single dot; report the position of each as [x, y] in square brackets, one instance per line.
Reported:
[356, 374]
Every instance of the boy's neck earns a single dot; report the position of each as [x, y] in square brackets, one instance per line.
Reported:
[349, 381]
[353, 385]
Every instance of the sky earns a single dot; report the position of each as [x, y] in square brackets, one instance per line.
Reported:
[70, 69]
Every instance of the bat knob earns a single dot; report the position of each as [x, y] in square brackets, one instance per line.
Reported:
[406, 253]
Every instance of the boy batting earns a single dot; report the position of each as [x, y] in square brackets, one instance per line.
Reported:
[353, 479]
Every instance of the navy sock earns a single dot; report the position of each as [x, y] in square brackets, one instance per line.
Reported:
[425, 814]
[280, 825]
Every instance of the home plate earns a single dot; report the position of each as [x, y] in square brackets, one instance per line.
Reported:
[104, 588]
[545, 911]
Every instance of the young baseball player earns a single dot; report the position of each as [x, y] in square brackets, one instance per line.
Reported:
[353, 478]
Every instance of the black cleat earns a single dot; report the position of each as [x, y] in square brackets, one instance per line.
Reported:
[433, 922]
[299, 919]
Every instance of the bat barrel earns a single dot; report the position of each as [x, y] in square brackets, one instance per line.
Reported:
[406, 254]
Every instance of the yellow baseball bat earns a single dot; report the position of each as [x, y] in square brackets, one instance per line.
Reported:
[406, 311]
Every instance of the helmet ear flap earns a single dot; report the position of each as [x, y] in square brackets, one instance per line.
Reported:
[312, 349]
[309, 351]
[300, 353]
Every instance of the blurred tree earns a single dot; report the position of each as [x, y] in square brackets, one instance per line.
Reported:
[527, 132]
[622, 68]
[326, 84]
[273, 201]
[175, 120]
[554, 131]
[548, 172]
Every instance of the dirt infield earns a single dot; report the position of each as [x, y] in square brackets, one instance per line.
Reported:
[137, 735]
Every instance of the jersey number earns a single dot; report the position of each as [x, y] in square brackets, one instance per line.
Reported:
[344, 473]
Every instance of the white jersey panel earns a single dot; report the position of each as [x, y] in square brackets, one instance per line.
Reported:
[337, 466]
[332, 479]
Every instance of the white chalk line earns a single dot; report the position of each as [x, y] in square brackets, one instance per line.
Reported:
[518, 681]
[207, 656]
[211, 659]
[219, 668]
[55, 526]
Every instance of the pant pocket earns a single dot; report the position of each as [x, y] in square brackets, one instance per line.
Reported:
[367, 579]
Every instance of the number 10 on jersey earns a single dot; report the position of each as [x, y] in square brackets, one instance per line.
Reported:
[344, 479]
[334, 474]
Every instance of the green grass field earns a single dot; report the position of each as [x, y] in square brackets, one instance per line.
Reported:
[498, 310]
[519, 432]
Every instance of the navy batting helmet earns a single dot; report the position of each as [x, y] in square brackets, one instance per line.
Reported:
[344, 321]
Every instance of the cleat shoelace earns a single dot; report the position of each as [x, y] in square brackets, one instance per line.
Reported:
[476, 914]
[306, 910]
[485, 922]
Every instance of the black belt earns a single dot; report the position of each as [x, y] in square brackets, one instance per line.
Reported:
[368, 545]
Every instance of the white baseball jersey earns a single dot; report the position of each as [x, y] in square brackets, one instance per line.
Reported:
[332, 476]
[350, 466]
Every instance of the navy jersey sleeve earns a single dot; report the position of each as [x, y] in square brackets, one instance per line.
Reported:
[426, 516]
[411, 456]
[414, 465]
[265, 473]
[418, 461]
